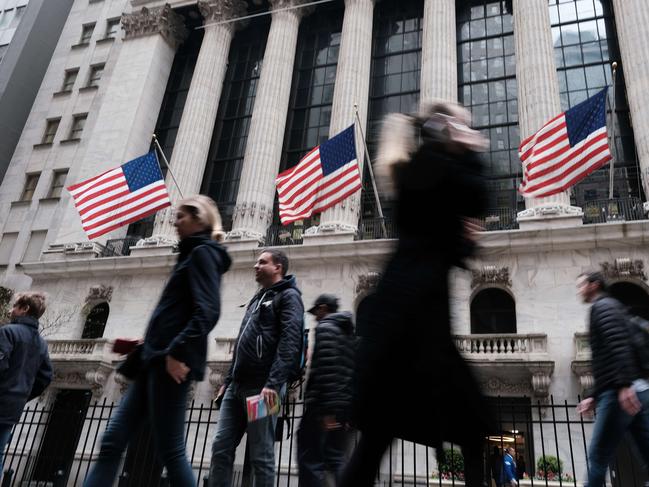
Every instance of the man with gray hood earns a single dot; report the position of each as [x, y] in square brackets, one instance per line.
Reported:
[322, 437]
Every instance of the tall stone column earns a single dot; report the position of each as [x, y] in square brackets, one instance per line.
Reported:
[538, 102]
[631, 17]
[131, 91]
[439, 52]
[352, 88]
[199, 114]
[254, 208]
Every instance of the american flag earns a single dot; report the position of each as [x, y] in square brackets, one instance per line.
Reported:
[566, 149]
[120, 196]
[326, 175]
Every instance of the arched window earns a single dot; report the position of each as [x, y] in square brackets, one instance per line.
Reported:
[96, 321]
[632, 296]
[493, 311]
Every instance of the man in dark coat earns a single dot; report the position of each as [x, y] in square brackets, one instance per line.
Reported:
[267, 352]
[25, 369]
[322, 437]
[620, 395]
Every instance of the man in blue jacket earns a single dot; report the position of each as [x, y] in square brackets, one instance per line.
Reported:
[509, 468]
[267, 352]
[25, 369]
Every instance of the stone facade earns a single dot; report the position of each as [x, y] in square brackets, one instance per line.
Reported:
[536, 265]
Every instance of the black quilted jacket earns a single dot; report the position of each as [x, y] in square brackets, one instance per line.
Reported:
[329, 387]
[614, 364]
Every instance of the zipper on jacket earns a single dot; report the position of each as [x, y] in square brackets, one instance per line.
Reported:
[236, 360]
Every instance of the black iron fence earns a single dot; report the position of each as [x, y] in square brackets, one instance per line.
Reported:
[613, 210]
[549, 437]
[118, 247]
[499, 219]
[290, 234]
[376, 228]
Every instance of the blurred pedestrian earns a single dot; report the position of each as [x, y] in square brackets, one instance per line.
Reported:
[412, 382]
[323, 433]
[25, 368]
[496, 466]
[620, 394]
[174, 351]
[510, 473]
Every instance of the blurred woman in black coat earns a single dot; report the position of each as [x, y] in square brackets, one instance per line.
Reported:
[412, 382]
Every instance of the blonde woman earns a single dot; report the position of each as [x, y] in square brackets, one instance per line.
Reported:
[174, 351]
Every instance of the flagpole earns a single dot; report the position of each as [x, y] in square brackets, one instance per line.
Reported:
[164, 158]
[613, 150]
[369, 166]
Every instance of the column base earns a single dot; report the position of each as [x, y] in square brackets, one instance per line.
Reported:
[550, 216]
[243, 240]
[645, 207]
[155, 245]
[330, 233]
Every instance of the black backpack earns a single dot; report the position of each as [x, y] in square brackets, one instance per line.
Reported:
[296, 375]
[640, 342]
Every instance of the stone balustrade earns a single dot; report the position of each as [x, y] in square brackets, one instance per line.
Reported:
[503, 345]
[84, 349]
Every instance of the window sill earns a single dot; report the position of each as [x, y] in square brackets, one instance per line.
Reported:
[80, 45]
[86, 89]
[69, 141]
[105, 40]
[61, 93]
[42, 145]
[21, 203]
[49, 198]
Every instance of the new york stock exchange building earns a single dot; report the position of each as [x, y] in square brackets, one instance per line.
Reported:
[237, 91]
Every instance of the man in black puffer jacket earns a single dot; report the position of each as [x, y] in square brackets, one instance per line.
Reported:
[266, 355]
[620, 394]
[25, 368]
[322, 438]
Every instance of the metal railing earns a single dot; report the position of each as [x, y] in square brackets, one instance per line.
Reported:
[119, 247]
[376, 228]
[499, 219]
[290, 234]
[535, 429]
[613, 210]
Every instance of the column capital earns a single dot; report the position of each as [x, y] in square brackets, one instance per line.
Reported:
[282, 4]
[159, 20]
[219, 10]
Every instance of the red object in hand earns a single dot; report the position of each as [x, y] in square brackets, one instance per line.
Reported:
[124, 346]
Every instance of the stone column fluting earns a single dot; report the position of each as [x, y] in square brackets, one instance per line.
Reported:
[631, 19]
[538, 101]
[351, 89]
[192, 143]
[134, 86]
[254, 207]
[439, 52]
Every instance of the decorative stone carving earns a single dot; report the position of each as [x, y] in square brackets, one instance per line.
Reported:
[495, 386]
[219, 10]
[157, 241]
[294, 4]
[122, 382]
[81, 377]
[367, 282]
[99, 293]
[624, 268]
[490, 274]
[158, 20]
[336, 227]
[550, 210]
[541, 384]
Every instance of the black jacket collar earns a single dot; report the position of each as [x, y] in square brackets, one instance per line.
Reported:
[188, 244]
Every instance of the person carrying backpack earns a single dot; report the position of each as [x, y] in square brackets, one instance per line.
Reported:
[323, 434]
[620, 395]
[267, 357]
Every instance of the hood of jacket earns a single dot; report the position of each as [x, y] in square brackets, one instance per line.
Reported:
[29, 321]
[188, 244]
[342, 319]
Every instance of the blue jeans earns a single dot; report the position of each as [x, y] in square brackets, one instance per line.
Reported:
[156, 398]
[232, 424]
[611, 424]
[5, 436]
[319, 451]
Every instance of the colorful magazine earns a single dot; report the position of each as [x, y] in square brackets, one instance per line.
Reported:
[257, 408]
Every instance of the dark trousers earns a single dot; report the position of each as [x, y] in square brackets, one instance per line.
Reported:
[319, 451]
[156, 398]
[5, 436]
[366, 460]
